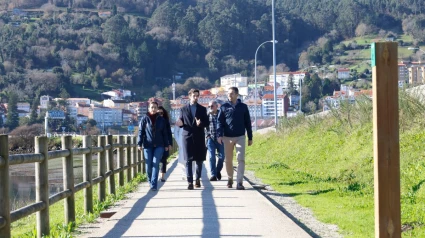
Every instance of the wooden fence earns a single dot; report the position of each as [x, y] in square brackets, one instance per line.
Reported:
[129, 160]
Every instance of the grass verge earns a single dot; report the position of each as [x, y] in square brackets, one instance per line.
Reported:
[326, 164]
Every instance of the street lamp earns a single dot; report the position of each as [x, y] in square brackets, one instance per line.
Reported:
[274, 68]
[255, 77]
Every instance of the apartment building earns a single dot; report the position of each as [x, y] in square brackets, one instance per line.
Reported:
[343, 73]
[284, 79]
[268, 105]
[105, 115]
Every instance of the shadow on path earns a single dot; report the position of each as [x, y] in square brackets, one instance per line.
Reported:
[284, 211]
[124, 223]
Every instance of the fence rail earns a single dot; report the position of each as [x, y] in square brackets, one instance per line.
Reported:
[129, 160]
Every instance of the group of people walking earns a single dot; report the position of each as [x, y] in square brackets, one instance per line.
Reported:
[219, 131]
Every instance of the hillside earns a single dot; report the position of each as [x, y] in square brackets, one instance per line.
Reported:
[83, 47]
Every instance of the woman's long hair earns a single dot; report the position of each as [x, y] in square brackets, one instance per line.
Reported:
[165, 115]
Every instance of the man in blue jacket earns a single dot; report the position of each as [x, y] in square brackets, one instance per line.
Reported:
[233, 122]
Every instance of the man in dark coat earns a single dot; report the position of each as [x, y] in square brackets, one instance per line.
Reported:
[194, 119]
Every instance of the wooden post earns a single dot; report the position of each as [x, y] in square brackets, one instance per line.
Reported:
[87, 168]
[111, 166]
[142, 156]
[139, 158]
[120, 161]
[134, 156]
[42, 186]
[101, 168]
[4, 186]
[128, 153]
[68, 179]
[386, 139]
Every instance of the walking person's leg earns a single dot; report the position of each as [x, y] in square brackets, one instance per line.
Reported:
[220, 161]
[164, 165]
[198, 173]
[189, 174]
[228, 153]
[240, 156]
[148, 153]
[211, 153]
[157, 156]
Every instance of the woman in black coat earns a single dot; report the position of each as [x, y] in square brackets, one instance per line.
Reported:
[153, 141]
[162, 112]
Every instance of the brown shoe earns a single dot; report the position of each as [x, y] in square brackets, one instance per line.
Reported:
[229, 183]
[197, 183]
[240, 186]
[190, 187]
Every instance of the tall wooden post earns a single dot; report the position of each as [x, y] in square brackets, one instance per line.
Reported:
[128, 156]
[101, 167]
[120, 161]
[386, 139]
[4, 186]
[134, 156]
[68, 179]
[42, 186]
[87, 168]
[110, 156]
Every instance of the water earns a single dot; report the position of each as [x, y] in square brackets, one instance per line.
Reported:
[22, 180]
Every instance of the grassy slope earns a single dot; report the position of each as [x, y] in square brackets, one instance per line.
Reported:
[329, 168]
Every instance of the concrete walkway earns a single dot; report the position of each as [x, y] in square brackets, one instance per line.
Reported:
[211, 211]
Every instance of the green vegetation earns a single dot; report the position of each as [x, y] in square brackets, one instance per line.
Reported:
[26, 227]
[326, 164]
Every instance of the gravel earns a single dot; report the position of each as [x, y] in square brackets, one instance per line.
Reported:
[302, 216]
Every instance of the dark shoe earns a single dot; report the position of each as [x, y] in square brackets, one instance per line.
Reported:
[229, 183]
[163, 180]
[213, 178]
[219, 176]
[197, 183]
[190, 187]
[240, 186]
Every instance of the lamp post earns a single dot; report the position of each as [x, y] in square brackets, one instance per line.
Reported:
[255, 78]
[274, 68]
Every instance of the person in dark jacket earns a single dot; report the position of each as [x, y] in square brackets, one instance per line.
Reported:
[193, 118]
[233, 122]
[153, 139]
[162, 112]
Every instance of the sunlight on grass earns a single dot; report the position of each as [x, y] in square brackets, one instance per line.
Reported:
[327, 165]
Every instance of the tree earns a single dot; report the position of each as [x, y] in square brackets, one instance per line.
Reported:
[33, 114]
[1, 120]
[12, 112]
[166, 103]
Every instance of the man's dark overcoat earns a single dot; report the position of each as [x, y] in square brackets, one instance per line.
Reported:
[193, 135]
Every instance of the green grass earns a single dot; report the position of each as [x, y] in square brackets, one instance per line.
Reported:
[327, 165]
[26, 227]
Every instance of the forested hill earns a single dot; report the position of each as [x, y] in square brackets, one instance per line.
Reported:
[63, 46]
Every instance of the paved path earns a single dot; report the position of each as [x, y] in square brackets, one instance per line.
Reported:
[211, 211]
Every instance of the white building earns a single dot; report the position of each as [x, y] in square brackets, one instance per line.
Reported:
[44, 101]
[233, 80]
[268, 105]
[23, 106]
[106, 116]
[343, 73]
[284, 79]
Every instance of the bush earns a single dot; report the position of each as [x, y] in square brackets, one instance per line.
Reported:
[22, 138]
